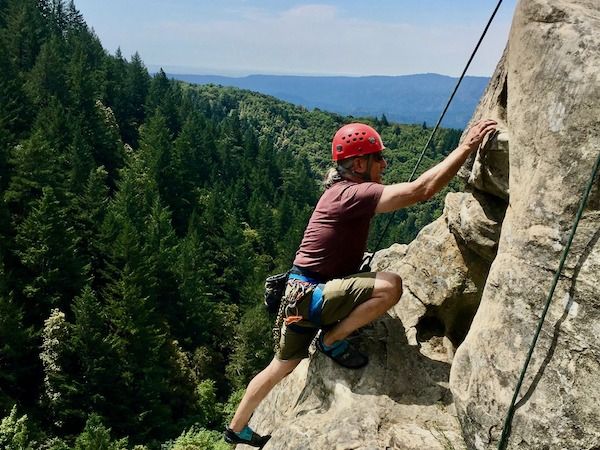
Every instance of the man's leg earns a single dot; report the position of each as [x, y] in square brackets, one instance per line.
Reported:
[386, 293]
[258, 389]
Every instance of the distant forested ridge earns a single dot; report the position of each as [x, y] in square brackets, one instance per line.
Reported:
[139, 217]
[405, 99]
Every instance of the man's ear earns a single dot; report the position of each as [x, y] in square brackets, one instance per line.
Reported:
[359, 165]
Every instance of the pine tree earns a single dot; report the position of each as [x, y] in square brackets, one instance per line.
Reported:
[155, 150]
[15, 108]
[96, 436]
[107, 147]
[253, 347]
[81, 80]
[81, 161]
[74, 19]
[47, 79]
[45, 245]
[16, 349]
[137, 83]
[39, 161]
[24, 32]
[164, 96]
[190, 167]
[90, 210]
[115, 94]
[94, 359]
[142, 301]
[140, 397]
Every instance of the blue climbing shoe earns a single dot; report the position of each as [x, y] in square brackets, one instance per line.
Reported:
[343, 353]
[246, 436]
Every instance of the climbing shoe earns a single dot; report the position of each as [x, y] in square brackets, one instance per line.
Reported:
[246, 436]
[343, 353]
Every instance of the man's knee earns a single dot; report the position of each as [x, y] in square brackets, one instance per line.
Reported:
[393, 287]
[397, 288]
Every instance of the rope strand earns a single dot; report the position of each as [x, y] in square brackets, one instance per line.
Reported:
[506, 429]
[370, 258]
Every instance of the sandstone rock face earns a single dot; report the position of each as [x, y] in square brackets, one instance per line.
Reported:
[441, 292]
[399, 401]
[552, 115]
[476, 280]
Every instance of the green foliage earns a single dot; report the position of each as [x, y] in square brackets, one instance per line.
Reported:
[15, 346]
[14, 432]
[45, 244]
[139, 218]
[231, 405]
[209, 409]
[252, 351]
[54, 444]
[55, 352]
[96, 436]
[198, 439]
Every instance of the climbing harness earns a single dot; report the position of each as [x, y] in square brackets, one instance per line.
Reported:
[366, 267]
[506, 429]
[297, 290]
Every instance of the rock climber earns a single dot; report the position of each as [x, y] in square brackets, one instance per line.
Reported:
[326, 296]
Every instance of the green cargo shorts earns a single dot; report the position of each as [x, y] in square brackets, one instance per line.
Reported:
[340, 297]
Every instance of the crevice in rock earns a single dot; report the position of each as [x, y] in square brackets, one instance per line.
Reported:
[430, 326]
[503, 101]
[413, 293]
[452, 320]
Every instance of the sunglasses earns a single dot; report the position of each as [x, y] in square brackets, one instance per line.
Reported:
[377, 156]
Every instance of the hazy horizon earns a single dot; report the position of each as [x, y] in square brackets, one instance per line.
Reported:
[289, 37]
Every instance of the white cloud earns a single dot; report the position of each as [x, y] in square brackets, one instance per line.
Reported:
[317, 38]
[310, 12]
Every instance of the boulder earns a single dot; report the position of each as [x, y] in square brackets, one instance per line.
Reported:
[441, 293]
[475, 219]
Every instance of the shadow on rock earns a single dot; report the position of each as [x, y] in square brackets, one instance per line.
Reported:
[396, 369]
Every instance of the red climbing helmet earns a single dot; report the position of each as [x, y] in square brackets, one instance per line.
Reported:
[355, 139]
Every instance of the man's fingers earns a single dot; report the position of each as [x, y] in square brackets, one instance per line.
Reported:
[479, 131]
[488, 126]
[481, 126]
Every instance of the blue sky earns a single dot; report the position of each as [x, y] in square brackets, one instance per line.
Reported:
[328, 37]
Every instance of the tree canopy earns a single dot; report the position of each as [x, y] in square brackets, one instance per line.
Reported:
[139, 217]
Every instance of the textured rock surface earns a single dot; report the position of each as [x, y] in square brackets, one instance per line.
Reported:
[443, 280]
[552, 110]
[485, 267]
[400, 400]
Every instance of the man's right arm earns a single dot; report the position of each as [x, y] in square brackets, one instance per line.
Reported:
[401, 195]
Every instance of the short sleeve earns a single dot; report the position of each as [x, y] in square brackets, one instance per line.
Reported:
[360, 200]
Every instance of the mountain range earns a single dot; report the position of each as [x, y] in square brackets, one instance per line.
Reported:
[416, 98]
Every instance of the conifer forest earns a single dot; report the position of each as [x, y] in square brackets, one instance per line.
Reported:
[139, 217]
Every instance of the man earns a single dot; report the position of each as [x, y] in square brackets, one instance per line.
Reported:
[324, 291]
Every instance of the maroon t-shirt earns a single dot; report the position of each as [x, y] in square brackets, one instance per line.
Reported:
[336, 236]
